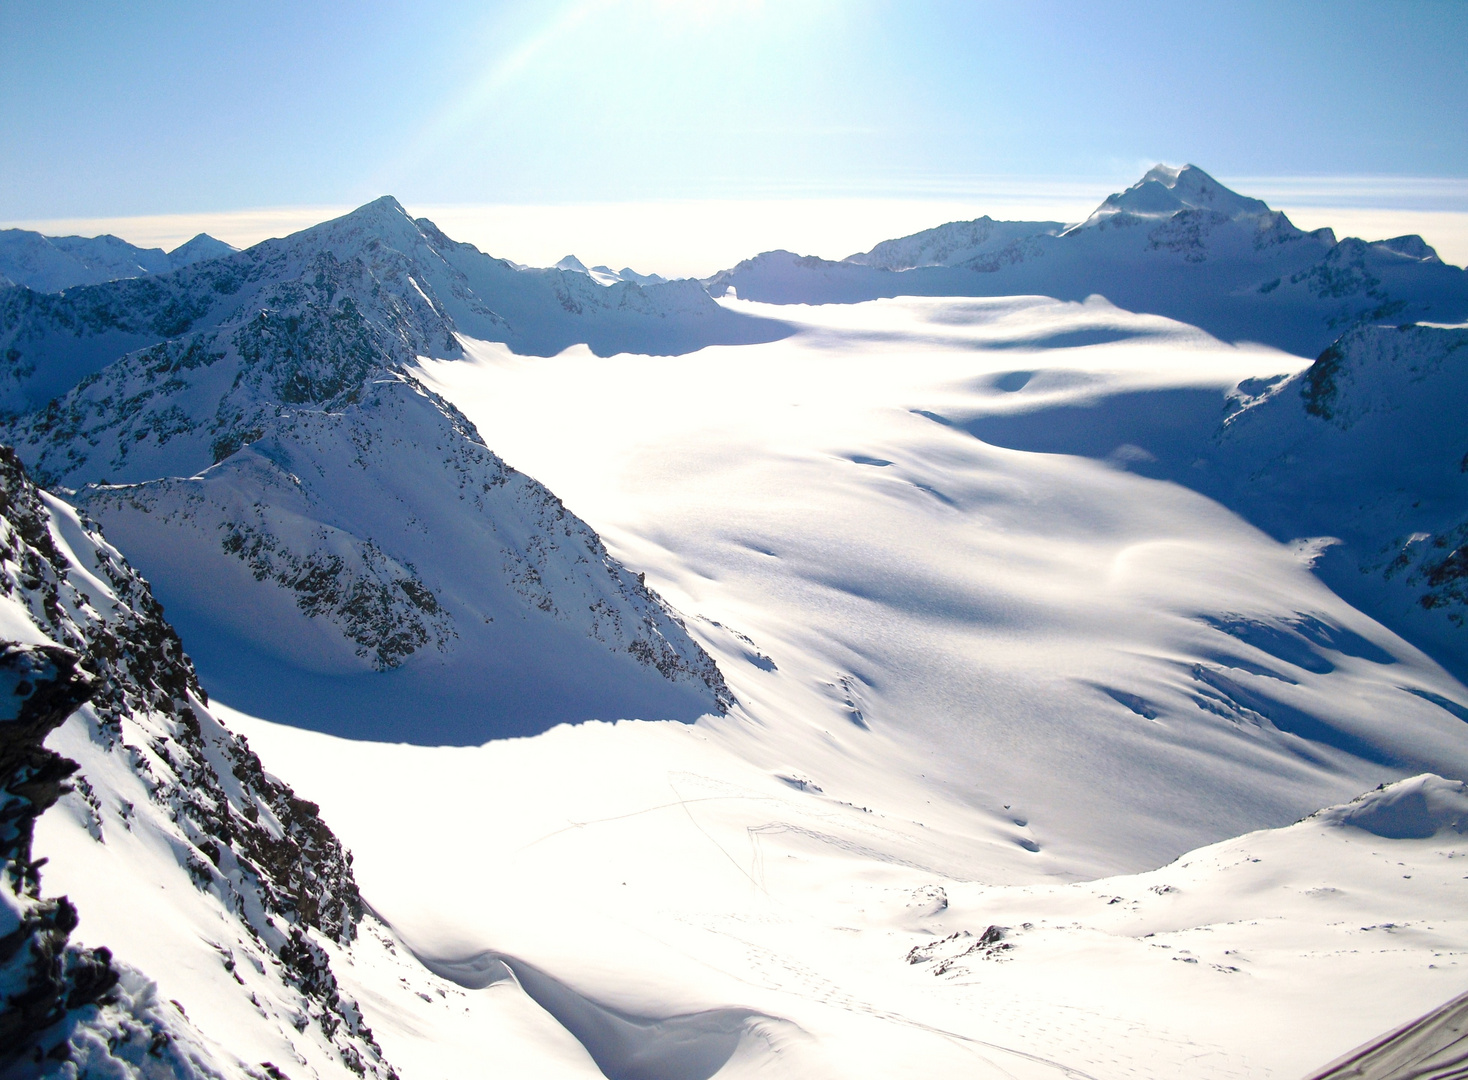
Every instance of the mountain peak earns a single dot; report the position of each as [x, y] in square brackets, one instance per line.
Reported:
[1165, 190]
[200, 247]
[384, 207]
[383, 219]
[570, 262]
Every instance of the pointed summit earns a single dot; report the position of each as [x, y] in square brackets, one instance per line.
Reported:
[199, 248]
[381, 214]
[570, 262]
[1164, 190]
[383, 220]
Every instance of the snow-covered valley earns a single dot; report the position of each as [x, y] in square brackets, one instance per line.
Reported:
[949, 675]
[966, 675]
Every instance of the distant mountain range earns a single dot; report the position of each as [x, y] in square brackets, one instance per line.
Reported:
[249, 427]
[53, 263]
[339, 547]
[1177, 243]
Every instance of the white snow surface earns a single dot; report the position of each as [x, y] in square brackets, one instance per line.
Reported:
[53, 263]
[984, 694]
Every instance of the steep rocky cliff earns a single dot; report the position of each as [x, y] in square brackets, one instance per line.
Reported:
[184, 807]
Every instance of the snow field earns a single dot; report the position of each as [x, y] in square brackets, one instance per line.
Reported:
[944, 654]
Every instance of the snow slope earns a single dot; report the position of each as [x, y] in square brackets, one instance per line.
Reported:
[977, 693]
[309, 512]
[983, 695]
[1366, 447]
[189, 865]
[1177, 243]
[1136, 667]
[718, 920]
[52, 263]
[398, 581]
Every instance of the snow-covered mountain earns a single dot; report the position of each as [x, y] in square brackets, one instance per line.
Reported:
[308, 509]
[605, 275]
[980, 691]
[50, 342]
[1364, 449]
[1176, 243]
[197, 868]
[53, 263]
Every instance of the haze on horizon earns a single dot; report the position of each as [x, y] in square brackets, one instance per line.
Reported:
[669, 132]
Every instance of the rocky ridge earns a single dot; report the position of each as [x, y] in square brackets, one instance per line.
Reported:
[151, 769]
[283, 459]
[49, 342]
[1364, 446]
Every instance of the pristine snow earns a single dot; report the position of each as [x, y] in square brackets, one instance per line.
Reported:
[1365, 447]
[997, 654]
[53, 263]
[978, 687]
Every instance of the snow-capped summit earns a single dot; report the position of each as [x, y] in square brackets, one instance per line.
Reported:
[1164, 191]
[605, 275]
[1176, 243]
[202, 246]
[53, 263]
[309, 509]
[48, 343]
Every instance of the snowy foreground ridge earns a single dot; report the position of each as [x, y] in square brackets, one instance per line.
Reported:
[930, 664]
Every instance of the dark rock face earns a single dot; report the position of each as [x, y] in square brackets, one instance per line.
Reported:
[43, 976]
[241, 835]
[40, 686]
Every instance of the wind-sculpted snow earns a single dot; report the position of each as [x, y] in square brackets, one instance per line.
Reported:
[1177, 243]
[178, 846]
[1413, 809]
[1363, 448]
[1000, 601]
[687, 1046]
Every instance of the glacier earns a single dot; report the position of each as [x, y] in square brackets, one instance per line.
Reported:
[1012, 634]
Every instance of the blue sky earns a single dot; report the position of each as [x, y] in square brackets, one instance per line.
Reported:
[115, 109]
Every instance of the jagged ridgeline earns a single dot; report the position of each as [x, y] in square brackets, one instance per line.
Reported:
[53, 263]
[1176, 243]
[308, 509]
[184, 839]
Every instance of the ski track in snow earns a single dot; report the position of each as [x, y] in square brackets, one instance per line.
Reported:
[916, 626]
